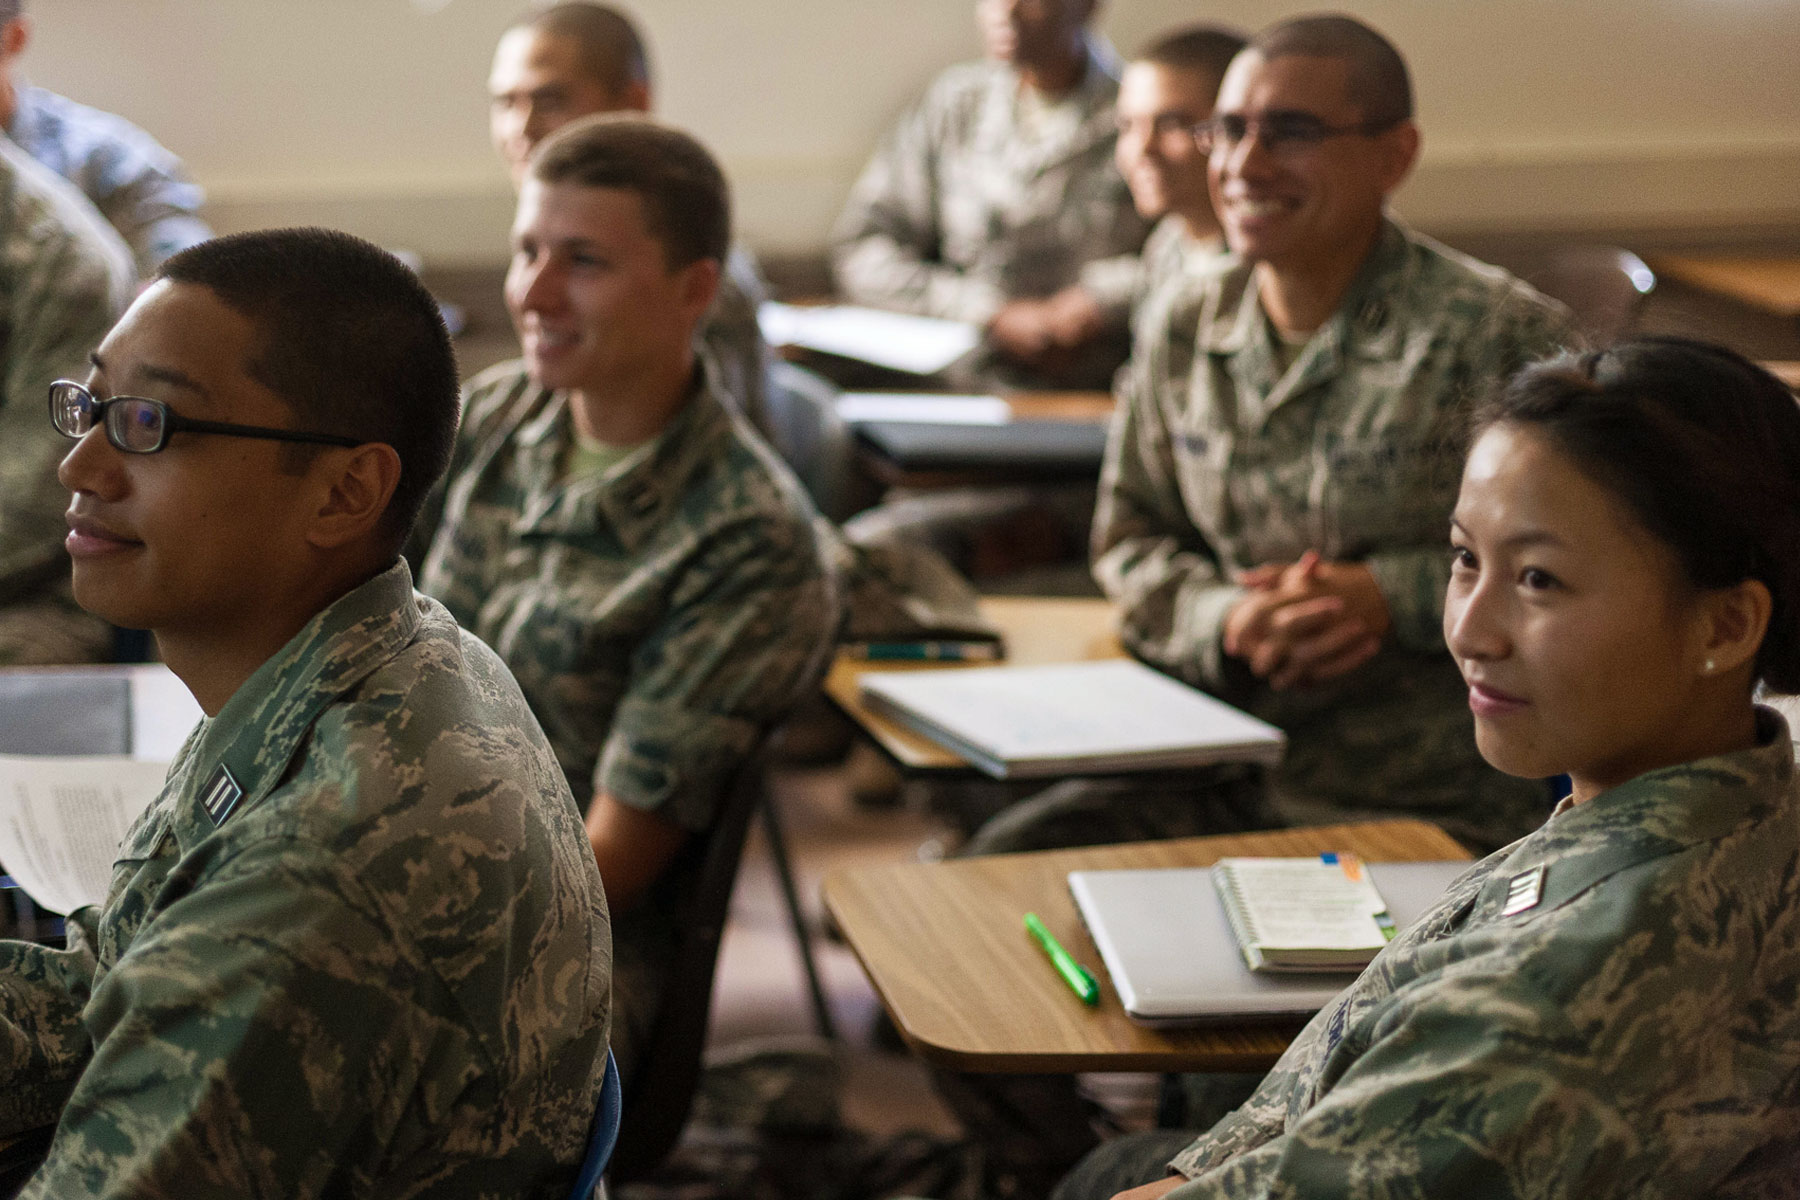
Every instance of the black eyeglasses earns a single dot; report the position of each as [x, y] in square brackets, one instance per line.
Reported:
[1279, 132]
[139, 426]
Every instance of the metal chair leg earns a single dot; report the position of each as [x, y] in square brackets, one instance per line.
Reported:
[784, 870]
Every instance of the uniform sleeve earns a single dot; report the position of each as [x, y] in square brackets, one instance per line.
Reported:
[43, 1044]
[260, 1037]
[145, 192]
[1116, 285]
[1482, 1090]
[885, 247]
[748, 631]
[1523, 328]
[1148, 556]
[65, 288]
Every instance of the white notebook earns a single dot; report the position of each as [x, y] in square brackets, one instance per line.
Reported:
[1071, 718]
[1321, 913]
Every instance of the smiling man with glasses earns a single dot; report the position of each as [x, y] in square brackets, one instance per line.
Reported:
[1284, 458]
[358, 945]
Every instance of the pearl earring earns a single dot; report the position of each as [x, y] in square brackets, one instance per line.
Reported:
[1710, 667]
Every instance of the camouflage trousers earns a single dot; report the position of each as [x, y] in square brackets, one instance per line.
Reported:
[1123, 1163]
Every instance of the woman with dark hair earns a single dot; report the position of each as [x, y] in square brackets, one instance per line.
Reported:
[1610, 1006]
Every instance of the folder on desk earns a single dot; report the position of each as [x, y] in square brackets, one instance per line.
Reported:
[1169, 948]
[1072, 718]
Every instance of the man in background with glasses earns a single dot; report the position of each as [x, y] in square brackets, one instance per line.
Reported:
[1286, 451]
[1166, 92]
[65, 276]
[357, 945]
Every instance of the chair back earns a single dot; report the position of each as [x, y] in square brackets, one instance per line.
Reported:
[804, 427]
[603, 1138]
[1604, 286]
[661, 1091]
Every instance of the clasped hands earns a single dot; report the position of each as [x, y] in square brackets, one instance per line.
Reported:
[1306, 622]
[1034, 330]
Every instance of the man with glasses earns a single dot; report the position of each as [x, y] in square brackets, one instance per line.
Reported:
[1286, 451]
[1165, 94]
[991, 198]
[64, 278]
[357, 945]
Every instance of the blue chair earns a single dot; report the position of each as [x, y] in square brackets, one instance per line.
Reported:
[604, 1137]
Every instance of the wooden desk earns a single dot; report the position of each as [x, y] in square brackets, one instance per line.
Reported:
[944, 945]
[1087, 408]
[1769, 283]
[1037, 629]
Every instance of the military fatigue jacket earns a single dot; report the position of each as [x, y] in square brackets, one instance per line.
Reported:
[1605, 1009]
[357, 947]
[140, 187]
[657, 614]
[1124, 286]
[64, 278]
[963, 209]
[1219, 461]
[732, 339]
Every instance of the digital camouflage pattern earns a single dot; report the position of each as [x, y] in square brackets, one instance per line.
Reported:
[385, 974]
[1124, 286]
[986, 193]
[1219, 461]
[1635, 1033]
[140, 187]
[64, 278]
[731, 337]
[657, 615]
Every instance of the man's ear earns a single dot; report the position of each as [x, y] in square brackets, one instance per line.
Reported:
[1402, 148]
[699, 284]
[634, 96]
[356, 485]
[15, 35]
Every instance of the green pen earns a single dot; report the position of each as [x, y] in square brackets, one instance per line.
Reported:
[1074, 974]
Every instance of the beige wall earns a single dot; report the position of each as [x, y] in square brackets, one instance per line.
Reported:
[369, 114]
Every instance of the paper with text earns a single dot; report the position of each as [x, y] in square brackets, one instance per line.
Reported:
[62, 821]
[923, 408]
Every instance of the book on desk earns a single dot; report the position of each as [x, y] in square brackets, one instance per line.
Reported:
[1071, 718]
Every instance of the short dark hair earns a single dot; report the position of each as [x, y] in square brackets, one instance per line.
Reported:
[1201, 49]
[1379, 81]
[1702, 447]
[348, 337]
[611, 48]
[687, 203]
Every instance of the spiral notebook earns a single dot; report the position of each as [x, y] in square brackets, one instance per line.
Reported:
[1322, 913]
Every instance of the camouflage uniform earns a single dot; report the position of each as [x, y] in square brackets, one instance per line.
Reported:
[136, 184]
[1633, 1033]
[971, 202]
[657, 616]
[1219, 461]
[733, 341]
[1124, 286]
[64, 278]
[380, 970]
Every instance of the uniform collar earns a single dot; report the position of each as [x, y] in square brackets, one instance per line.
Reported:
[635, 496]
[1368, 324]
[1659, 813]
[258, 731]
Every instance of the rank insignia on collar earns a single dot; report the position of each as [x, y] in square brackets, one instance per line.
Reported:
[220, 795]
[1523, 892]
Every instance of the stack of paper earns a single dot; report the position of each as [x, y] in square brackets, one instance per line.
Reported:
[901, 342]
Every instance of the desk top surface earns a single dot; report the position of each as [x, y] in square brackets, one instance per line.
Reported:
[945, 947]
[1037, 629]
[1771, 283]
